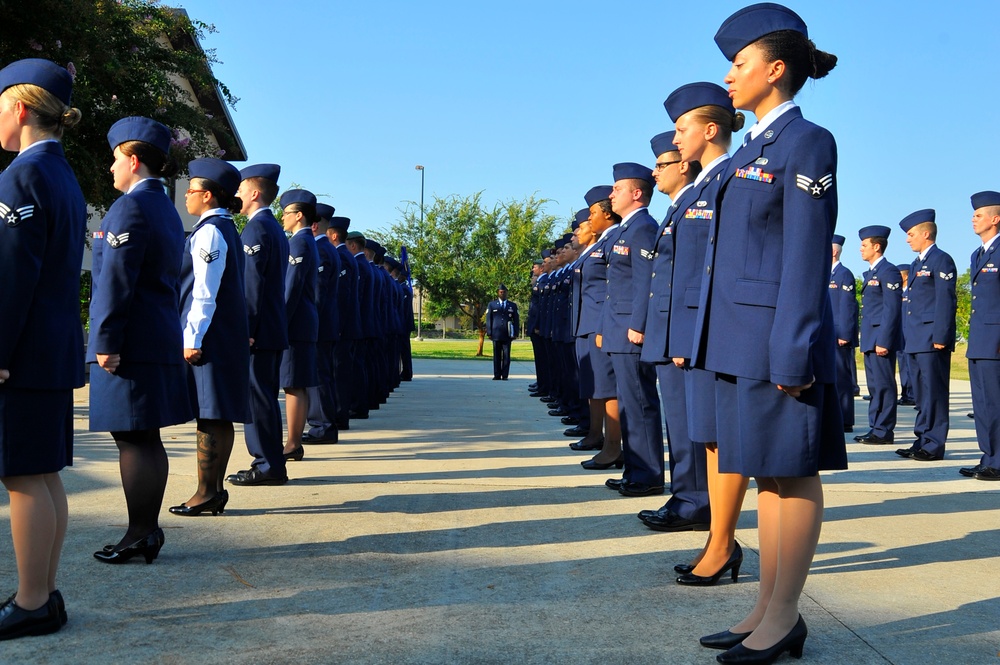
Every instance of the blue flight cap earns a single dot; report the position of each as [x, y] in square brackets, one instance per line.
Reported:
[501, 288]
[46, 74]
[874, 232]
[297, 196]
[596, 194]
[546, 253]
[560, 243]
[903, 267]
[372, 245]
[627, 170]
[325, 210]
[265, 171]
[137, 128]
[696, 95]
[221, 173]
[918, 217]
[751, 23]
[582, 216]
[393, 263]
[983, 199]
[839, 240]
[662, 143]
[342, 223]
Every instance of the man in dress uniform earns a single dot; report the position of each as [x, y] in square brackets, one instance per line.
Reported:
[622, 330]
[363, 348]
[929, 329]
[502, 324]
[545, 385]
[984, 335]
[687, 508]
[266, 250]
[845, 322]
[881, 301]
[535, 389]
[906, 397]
[323, 398]
[349, 313]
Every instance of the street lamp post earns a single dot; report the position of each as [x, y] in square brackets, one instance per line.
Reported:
[420, 237]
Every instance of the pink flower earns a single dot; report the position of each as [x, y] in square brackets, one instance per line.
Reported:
[34, 45]
[58, 43]
[71, 68]
[220, 153]
[209, 116]
[180, 144]
[114, 98]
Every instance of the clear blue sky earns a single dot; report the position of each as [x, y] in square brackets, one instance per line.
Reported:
[522, 98]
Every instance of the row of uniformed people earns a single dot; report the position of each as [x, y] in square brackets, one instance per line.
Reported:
[724, 303]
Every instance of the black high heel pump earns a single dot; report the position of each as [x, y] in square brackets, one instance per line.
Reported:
[733, 564]
[217, 505]
[147, 547]
[792, 643]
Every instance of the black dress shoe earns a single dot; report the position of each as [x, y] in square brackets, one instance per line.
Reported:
[970, 472]
[987, 473]
[496, 378]
[583, 445]
[559, 411]
[17, 622]
[867, 398]
[147, 547]
[661, 511]
[733, 564]
[215, 505]
[682, 568]
[569, 420]
[548, 399]
[792, 643]
[593, 465]
[862, 436]
[295, 456]
[905, 402]
[640, 489]
[254, 476]
[343, 425]
[924, 456]
[310, 439]
[614, 483]
[970, 414]
[576, 430]
[723, 640]
[671, 521]
[358, 415]
[906, 452]
[875, 440]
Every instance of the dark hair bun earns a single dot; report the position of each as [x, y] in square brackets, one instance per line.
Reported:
[738, 121]
[823, 62]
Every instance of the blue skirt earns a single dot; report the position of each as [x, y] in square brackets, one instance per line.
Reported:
[221, 390]
[298, 365]
[139, 396]
[36, 431]
[586, 372]
[605, 385]
[767, 434]
[699, 388]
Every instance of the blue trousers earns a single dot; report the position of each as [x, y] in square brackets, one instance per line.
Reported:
[323, 398]
[931, 374]
[688, 466]
[264, 435]
[984, 375]
[845, 383]
[639, 411]
[880, 373]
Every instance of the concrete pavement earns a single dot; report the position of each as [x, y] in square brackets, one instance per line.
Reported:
[456, 526]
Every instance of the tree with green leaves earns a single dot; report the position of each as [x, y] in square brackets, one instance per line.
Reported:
[465, 249]
[127, 57]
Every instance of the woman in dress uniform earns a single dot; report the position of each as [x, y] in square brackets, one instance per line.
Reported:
[705, 121]
[42, 222]
[135, 335]
[766, 324]
[298, 361]
[214, 326]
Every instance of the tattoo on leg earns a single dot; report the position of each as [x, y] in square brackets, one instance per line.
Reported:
[207, 450]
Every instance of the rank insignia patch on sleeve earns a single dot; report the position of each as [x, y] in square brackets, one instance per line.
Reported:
[250, 251]
[116, 241]
[295, 260]
[13, 217]
[814, 188]
[208, 257]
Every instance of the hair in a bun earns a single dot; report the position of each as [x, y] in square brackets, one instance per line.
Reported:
[800, 55]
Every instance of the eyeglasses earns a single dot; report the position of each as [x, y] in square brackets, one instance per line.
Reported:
[195, 191]
[662, 165]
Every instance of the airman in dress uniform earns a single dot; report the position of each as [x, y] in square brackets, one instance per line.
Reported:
[906, 397]
[929, 329]
[351, 334]
[844, 299]
[364, 347]
[984, 335]
[881, 300]
[502, 325]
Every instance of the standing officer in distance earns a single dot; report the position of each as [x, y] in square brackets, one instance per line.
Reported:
[906, 397]
[984, 336]
[502, 324]
[929, 329]
[881, 301]
[845, 322]
[349, 315]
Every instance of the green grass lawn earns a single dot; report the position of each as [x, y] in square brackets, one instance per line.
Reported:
[465, 349]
